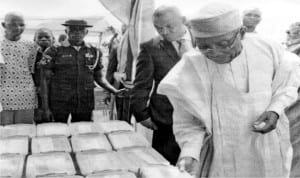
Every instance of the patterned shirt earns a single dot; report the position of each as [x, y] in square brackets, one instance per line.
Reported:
[17, 90]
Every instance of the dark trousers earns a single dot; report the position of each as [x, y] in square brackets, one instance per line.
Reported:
[164, 142]
[123, 108]
[75, 116]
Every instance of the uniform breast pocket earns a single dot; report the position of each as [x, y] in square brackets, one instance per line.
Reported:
[64, 60]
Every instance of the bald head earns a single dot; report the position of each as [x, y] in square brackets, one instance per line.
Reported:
[163, 10]
[11, 16]
[251, 18]
[254, 10]
[13, 25]
[169, 22]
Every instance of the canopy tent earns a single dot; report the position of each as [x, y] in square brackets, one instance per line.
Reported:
[95, 35]
[100, 24]
[137, 15]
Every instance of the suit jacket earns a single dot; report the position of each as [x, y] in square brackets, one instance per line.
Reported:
[112, 65]
[155, 60]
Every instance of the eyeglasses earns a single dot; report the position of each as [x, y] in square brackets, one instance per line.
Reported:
[222, 45]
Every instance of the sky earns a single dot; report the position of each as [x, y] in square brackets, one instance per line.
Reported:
[277, 15]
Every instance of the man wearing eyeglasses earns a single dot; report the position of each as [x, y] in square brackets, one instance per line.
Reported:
[229, 97]
[74, 67]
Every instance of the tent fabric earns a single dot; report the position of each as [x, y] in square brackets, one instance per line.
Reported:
[114, 7]
[99, 24]
[138, 15]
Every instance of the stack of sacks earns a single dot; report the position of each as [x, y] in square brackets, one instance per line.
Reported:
[50, 129]
[14, 146]
[12, 165]
[113, 126]
[162, 171]
[18, 130]
[121, 140]
[112, 174]
[51, 137]
[126, 160]
[58, 163]
[50, 152]
[87, 137]
[88, 142]
[135, 158]
[93, 162]
[99, 162]
[146, 156]
[107, 150]
[78, 128]
[94, 151]
[54, 143]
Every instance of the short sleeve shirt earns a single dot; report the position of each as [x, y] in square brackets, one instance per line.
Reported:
[17, 90]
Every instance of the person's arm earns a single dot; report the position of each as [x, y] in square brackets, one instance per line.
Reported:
[46, 64]
[45, 84]
[286, 82]
[142, 85]
[189, 133]
[112, 65]
[100, 78]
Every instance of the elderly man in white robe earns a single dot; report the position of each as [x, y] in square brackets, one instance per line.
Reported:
[229, 97]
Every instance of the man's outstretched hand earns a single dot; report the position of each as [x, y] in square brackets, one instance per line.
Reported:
[266, 122]
[188, 164]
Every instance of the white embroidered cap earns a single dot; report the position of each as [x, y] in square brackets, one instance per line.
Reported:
[215, 19]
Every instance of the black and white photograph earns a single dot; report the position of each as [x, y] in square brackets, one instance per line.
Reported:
[149, 89]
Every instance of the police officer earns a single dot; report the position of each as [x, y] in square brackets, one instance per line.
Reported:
[72, 68]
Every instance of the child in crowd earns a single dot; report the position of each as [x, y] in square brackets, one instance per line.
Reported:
[43, 38]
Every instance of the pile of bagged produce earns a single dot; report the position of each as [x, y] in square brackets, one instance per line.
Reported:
[108, 149]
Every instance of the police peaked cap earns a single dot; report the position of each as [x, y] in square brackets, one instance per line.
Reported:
[80, 23]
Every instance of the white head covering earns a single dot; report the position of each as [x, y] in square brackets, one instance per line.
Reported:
[215, 19]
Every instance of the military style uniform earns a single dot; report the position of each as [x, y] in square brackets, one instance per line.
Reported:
[72, 82]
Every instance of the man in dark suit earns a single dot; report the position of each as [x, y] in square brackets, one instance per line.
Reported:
[156, 58]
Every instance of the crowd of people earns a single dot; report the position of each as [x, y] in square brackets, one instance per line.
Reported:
[212, 89]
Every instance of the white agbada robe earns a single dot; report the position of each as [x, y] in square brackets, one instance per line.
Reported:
[223, 101]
